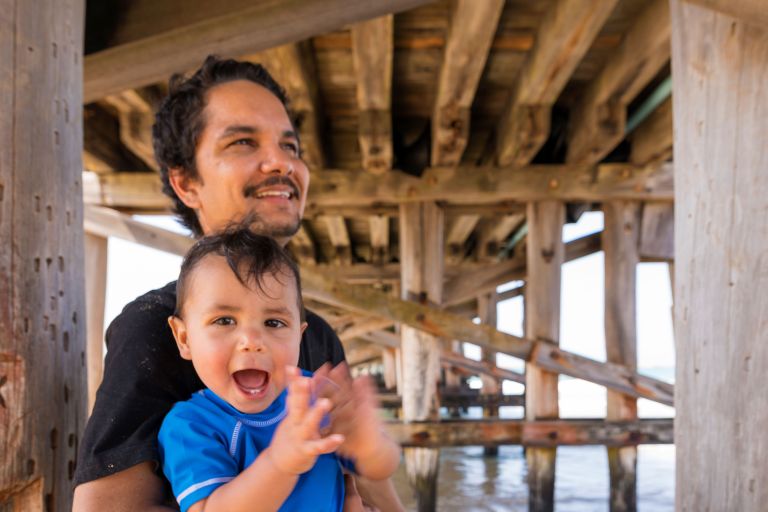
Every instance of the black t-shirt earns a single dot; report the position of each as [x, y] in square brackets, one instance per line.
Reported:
[144, 376]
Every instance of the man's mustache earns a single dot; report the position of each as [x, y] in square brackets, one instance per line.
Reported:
[253, 190]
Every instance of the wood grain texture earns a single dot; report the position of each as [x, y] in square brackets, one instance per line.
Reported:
[545, 256]
[652, 140]
[597, 123]
[96, 248]
[721, 259]
[567, 31]
[748, 11]
[621, 233]
[251, 28]
[42, 299]
[472, 27]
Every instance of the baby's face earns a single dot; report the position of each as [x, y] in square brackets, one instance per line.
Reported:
[240, 339]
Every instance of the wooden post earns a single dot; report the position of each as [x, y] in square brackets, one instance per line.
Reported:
[542, 318]
[720, 106]
[620, 243]
[95, 296]
[42, 310]
[486, 310]
[421, 259]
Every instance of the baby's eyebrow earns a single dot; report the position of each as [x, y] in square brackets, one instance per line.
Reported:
[282, 310]
[225, 307]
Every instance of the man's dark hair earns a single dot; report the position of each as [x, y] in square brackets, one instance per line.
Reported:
[249, 255]
[179, 120]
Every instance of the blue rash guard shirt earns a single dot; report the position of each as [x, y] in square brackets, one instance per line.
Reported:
[205, 443]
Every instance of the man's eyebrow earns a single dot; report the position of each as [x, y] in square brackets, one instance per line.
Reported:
[238, 129]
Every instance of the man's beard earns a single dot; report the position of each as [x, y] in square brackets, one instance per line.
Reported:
[263, 226]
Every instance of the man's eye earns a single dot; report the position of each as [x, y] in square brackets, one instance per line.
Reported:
[224, 321]
[242, 142]
[291, 147]
[275, 323]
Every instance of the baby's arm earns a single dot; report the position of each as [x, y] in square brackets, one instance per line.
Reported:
[355, 415]
[270, 479]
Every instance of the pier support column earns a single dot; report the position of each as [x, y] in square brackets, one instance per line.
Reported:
[42, 300]
[720, 70]
[545, 253]
[422, 261]
[486, 311]
[95, 296]
[620, 243]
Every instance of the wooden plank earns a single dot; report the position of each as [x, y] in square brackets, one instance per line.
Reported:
[567, 31]
[621, 235]
[545, 255]
[252, 28]
[721, 248]
[379, 226]
[747, 11]
[657, 232]
[472, 27]
[468, 284]
[389, 363]
[361, 326]
[486, 312]
[475, 186]
[599, 119]
[652, 141]
[460, 230]
[42, 297]
[105, 222]
[337, 232]
[422, 239]
[102, 148]
[95, 299]
[135, 113]
[493, 235]
[532, 433]
[446, 325]
[372, 51]
[303, 246]
[293, 67]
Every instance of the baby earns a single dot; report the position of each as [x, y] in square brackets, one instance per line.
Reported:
[253, 439]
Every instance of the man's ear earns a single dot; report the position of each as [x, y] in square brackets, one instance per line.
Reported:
[186, 187]
[180, 335]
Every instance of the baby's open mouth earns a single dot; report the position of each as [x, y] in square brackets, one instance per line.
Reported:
[251, 381]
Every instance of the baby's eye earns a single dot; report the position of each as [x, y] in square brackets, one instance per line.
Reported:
[224, 321]
[275, 323]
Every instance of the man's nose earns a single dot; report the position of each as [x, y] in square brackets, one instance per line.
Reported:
[275, 160]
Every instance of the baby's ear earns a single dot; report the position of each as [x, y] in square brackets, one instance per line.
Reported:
[180, 335]
[303, 327]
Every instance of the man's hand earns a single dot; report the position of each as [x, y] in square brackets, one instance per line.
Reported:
[297, 441]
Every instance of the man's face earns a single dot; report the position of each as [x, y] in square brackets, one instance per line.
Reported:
[239, 338]
[248, 164]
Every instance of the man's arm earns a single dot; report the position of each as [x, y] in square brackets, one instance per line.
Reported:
[135, 488]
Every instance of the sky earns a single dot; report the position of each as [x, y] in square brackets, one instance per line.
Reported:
[133, 270]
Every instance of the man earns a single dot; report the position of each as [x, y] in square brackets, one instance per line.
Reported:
[228, 152]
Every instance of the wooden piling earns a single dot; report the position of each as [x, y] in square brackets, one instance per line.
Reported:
[486, 311]
[620, 243]
[542, 322]
[720, 106]
[95, 296]
[42, 310]
[421, 259]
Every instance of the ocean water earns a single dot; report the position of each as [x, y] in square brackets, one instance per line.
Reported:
[470, 481]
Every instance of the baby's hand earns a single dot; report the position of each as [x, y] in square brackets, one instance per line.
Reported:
[297, 441]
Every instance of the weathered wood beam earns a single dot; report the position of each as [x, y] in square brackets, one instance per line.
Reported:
[467, 285]
[462, 186]
[487, 313]
[657, 232]
[303, 246]
[292, 65]
[749, 11]
[102, 146]
[532, 433]
[42, 297]
[337, 232]
[247, 29]
[652, 140]
[545, 257]
[135, 114]
[621, 236]
[105, 222]
[372, 51]
[472, 27]
[566, 32]
[462, 399]
[598, 122]
[493, 235]
[458, 233]
[721, 258]
[448, 326]
[361, 353]
[95, 299]
[361, 326]
[379, 226]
